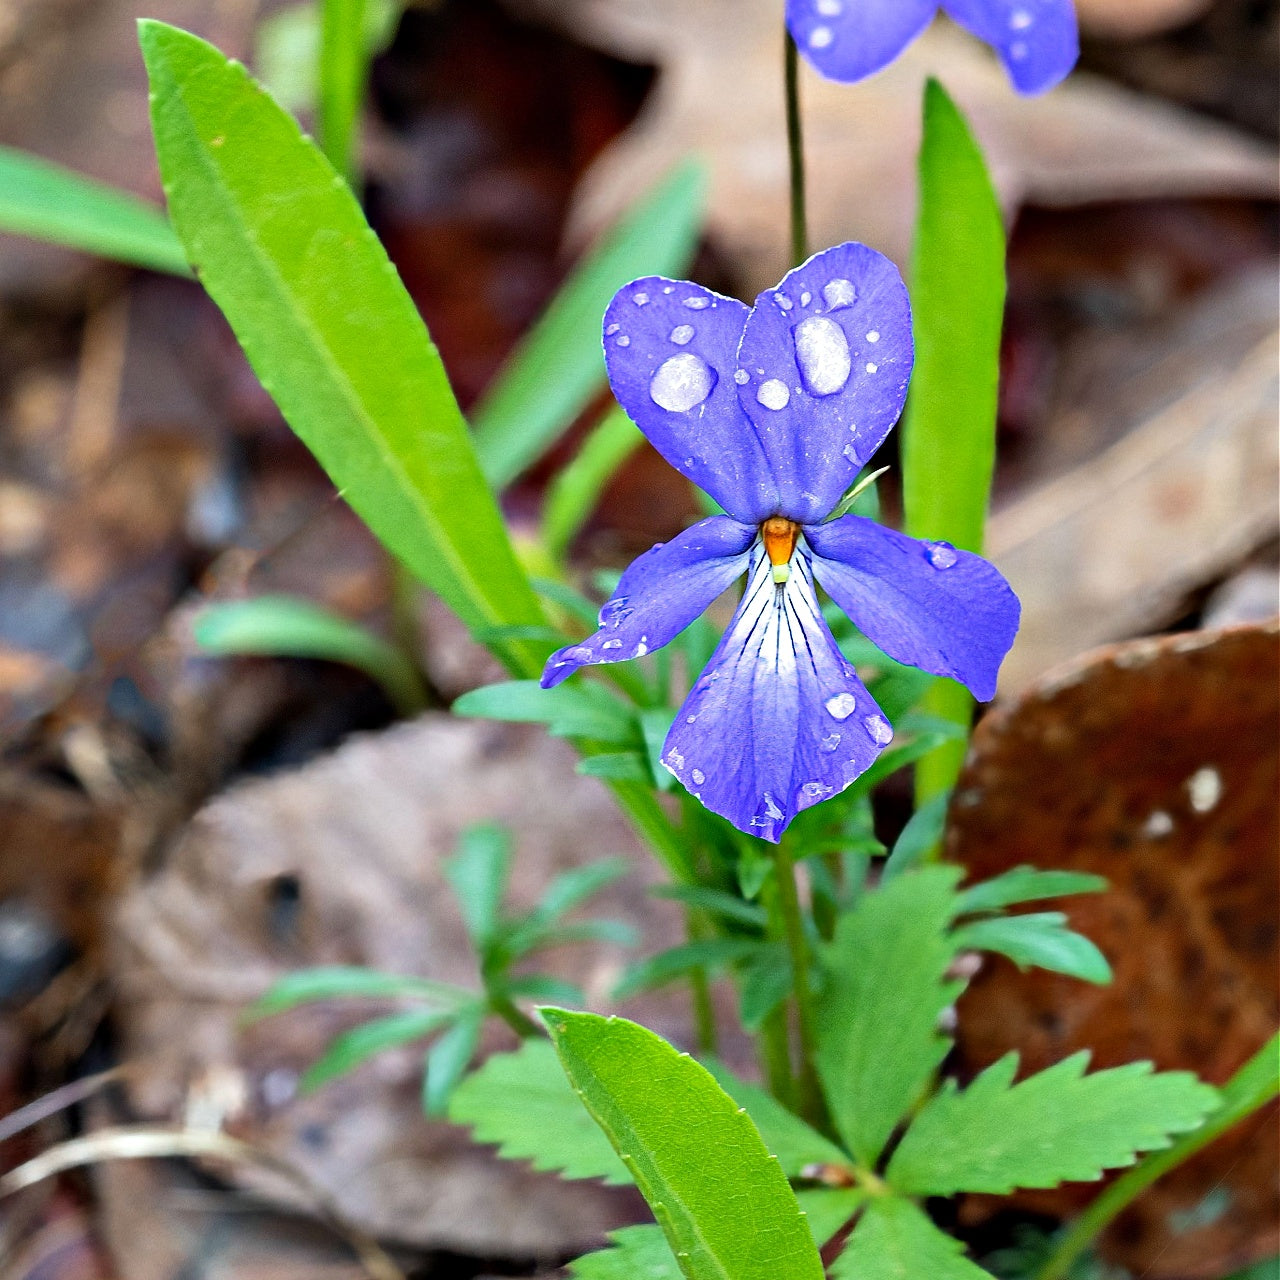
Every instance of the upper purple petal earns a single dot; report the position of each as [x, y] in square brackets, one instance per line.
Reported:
[924, 603]
[848, 40]
[658, 596]
[670, 348]
[1037, 40]
[825, 361]
[779, 720]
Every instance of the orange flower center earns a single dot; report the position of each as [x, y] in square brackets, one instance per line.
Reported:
[780, 536]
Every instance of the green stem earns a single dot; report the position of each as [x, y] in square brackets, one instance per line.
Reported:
[698, 927]
[1253, 1086]
[523, 1026]
[775, 1057]
[795, 153]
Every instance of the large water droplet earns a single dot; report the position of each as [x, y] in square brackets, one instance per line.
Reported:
[682, 334]
[874, 335]
[830, 742]
[613, 613]
[872, 368]
[821, 37]
[841, 705]
[880, 729]
[639, 299]
[822, 352]
[682, 383]
[579, 653]
[612, 644]
[783, 301]
[697, 302]
[839, 293]
[942, 555]
[698, 777]
[773, 394]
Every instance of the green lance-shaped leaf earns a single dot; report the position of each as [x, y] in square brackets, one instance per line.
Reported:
[721, 1199]
[281, 245]
[351, 1048]
[558, 367]
[1026, 884]
[348, 982]
[922, 833]
[1057, 1126]
[1040, 939]
[523, 1104]
[47, 202]
[344, 67]
[885, 987]
[477, 874]
[287, 627]
[582, 710]
[894, 1240]
[957, 304]
[449, 1057]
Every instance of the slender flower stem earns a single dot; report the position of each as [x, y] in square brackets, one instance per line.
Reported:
[795, 152]
[775, 1057]
[523, 1026]
[1253, 1086]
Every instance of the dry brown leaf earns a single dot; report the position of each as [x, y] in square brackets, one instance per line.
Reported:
[1129, 19]
[719, 95]
[1155, 764]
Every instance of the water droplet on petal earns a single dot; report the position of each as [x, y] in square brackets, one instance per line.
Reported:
[1018, 50]
[682, 383]
[821, 37]
[1020, 20]
[942, 555]
[871, 368]
[613, 613]
[611, 330]
[822, 352]
[880, 729]
[830, 742]
[641, 650]
[639, 299]
[874, 335]
[697, 302]
[783, 301]
[773, 394]
[698, 777]
[742, 377]
[682, 334]
[622, 340]
[841, 705]
[612, 644]
[839, 293]
[670, 288]
[579, 653]
[815, 790]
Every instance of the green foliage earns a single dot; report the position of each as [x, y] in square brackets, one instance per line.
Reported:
[885, 989]
[894, 1240]
[477, 874]
[338, 982]
[344, 68]
[522, 1103]
[1057, 1126]
[948, 437]
[1026, 884]
[671, 1122]
[449, 1056]
[47, 202]
[578, 710]
[329, 329]
[922, 834]
[708, 955]
[716, 902]
[573, 494]
[1041, 939]
[558, 366]
[288, 627]
[351, 1048]
[617, 766]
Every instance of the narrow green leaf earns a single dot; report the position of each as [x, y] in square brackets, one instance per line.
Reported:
[569, 710]
[764, 984]
[716, 902]
[448, 1058]
[894, 1240]
[1058, 1126]
[1026, 884]
[478, 873]
[1040, 939]
[796, 1145]
[573, 495]
[282, 247]
[287, 627]
[522, 1103]
[344, 67]
[572, 888]
[351, 1048]
[574, 603]
[917, 736]
[47, 202]
[885, 988]
[922, 833]
[948, 436]
[712, 954]
[617, 766]
[558, 366]
[655, 724]
[338, 982]
[671, 1122]
[544, 988]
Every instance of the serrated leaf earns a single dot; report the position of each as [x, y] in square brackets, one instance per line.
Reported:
[884, 990]
[671, 1121]
[523, 1104]
[558, 366]
[894, 1240]
[712, 954]
[1057, 1126]
[922, 833]
[1025, 884]
[449, 1057]
[336, 982]
[569, 710]
[796, 1144]
[477, 874]
[1040, 939]
[351, 1048]
[329, 329]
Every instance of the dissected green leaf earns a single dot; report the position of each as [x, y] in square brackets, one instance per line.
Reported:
[569, 710]
[281, 245]
[712, 954]
[558, 366]
[1026, 884]
[672, 1123]
[47, 202]
[337, 982]
[478, 873]
[1057, 1126]
[523, 1104]
[885, 988]
[795, 1143]
[922, 833]
[351, 1048]
[1041, 939]
[448, 1058]
[285, 626]
[894, 1240]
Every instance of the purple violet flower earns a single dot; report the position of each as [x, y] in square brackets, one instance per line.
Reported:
[849, 40]
[774, 411]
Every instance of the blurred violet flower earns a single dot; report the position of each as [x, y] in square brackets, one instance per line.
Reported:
[849, 40]
[774, 411]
